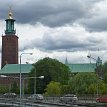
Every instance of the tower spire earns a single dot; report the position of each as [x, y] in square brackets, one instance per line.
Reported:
[66, 61]
[10, 14]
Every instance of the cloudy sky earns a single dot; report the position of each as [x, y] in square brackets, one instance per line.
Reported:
[58, 28]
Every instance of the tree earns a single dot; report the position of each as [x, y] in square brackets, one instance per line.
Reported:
[81, 82]
[92, 89]
[3, 89]
[52, 70]
[53, 89]
[64, 89]
[15, 88]
[104, 70]
[104, 67]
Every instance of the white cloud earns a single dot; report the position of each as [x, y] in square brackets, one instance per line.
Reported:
[72, 41]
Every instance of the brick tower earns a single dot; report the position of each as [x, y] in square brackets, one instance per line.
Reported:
[9, 43]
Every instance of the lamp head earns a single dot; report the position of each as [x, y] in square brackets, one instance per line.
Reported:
[41, 77]
[88, 56]
[31, 53]
[3, 76]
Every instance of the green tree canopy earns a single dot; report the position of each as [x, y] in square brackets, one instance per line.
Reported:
[53, 89]
[81, 82]
[15, 88]
[104, 71]
[104, 67]
[52, 70]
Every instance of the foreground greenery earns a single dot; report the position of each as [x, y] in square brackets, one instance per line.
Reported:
[82, 83]
[59, 80]
[87, 83]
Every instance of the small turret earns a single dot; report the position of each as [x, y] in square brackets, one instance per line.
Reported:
[98, 62]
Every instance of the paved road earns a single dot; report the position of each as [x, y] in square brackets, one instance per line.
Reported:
[27, 103]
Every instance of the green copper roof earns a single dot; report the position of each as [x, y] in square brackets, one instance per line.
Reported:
[26, 68]
[15, 68]
[82, 67]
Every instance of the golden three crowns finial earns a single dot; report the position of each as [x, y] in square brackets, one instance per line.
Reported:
[10, 15]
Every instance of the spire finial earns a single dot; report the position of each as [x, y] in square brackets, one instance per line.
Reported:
[10, 15]
[66, 61]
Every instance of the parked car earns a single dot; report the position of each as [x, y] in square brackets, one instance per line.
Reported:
[9, 95]
[36, 97]
[102, 99]
[68, 98]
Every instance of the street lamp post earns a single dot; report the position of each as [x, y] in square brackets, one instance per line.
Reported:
[96, 68]
[21, 76]
[35, 82]
[89, 56]
[40, 77]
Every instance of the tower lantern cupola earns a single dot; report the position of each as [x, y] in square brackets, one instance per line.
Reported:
[10, 24]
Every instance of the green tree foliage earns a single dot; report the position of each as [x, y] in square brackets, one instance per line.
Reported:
[14, 88]
[53, 89]
[81, 82]
[101, 87]
[52, 70]
[104, 70]
[104, 67]
[105, 78]
[87, 83]
[3, 89]
[92, 89]
[64, 89]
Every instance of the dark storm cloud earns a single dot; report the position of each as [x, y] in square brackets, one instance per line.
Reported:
[52, 13]
[96, 24]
